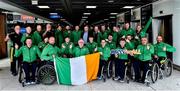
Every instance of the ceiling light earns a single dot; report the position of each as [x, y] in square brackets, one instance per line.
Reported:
[87, 13]
[53, 13]
[59, 9]
[110, 1]
[62, 19]
[84, 17]
[34, 2]
[106, 19]
[113, 13]
[112, 17]
[128, 7]
[43, 7]
[92, 7]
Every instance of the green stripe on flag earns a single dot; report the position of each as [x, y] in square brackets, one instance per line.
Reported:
[63, 70]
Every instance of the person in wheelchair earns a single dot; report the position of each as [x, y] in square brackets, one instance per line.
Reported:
[120, 62]
[79, 50]
[146, 50]
[105, 54]
[66, 47]
[50, 51]
[91, 45]
[160, 49]
[29, 53]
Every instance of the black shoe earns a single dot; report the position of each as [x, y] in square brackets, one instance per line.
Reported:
[14, 74]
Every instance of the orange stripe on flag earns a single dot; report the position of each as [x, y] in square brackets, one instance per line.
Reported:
[92, 66]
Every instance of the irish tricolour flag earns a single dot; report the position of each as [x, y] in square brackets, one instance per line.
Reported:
[77, 71]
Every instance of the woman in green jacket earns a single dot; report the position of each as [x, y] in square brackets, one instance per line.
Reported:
[29, 53]
[160, 49]
[141, 32]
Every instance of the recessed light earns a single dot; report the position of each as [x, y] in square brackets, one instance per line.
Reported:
[128, 7]
[87, 13]
[106, 19]
[34, 2]
[113, 13]
[112, 17]
[53, 13]
[84, 17]
[110, 1]
[43, 7]
[92, 7]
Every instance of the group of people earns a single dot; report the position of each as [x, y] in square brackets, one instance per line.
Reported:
[45, 45]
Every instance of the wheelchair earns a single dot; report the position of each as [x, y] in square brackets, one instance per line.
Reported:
[128, 73]
[152, 73]
[166, 68]
[105, 71]
[21, 76]
[45, 74]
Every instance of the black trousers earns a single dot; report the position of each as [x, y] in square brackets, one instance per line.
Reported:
[120, 67]
[144, 68]
[101, 64]
[136, 66]
[15, 61]
[29, 67]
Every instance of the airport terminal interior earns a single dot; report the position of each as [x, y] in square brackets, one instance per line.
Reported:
[60, 45]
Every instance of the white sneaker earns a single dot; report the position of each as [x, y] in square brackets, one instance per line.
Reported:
[28, 83]
[33, 82]
[116, 78]
[121, 81]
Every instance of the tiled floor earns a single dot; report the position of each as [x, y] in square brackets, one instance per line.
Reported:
[8, 82]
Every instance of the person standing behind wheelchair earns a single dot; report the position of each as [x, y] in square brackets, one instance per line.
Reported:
[66, 47]
[15, 38]
[160, 49]
[91, 45]
[29, 53]
[28, 34]
[146, 50]
[120, 62]
[50, 50]
[105, 54]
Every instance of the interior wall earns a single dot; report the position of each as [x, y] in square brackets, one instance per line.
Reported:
[3, 52]
[170, 7]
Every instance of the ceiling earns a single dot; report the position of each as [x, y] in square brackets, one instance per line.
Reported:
[72, 10]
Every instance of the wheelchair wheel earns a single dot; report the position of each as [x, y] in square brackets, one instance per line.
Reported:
[155, 72]
[168, 67]
[46, 74]
[21, 74]
[110, 69]
[148, 78]
[132, 73]
[103, 75]
[126, 78]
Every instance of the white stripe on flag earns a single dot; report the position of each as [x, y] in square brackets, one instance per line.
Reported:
[78, 70]
[56, 71]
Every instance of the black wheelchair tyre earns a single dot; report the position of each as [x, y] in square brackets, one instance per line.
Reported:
[46, 74]
[168, 67]
[111, 69]
[20, 74]
[154, 72]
